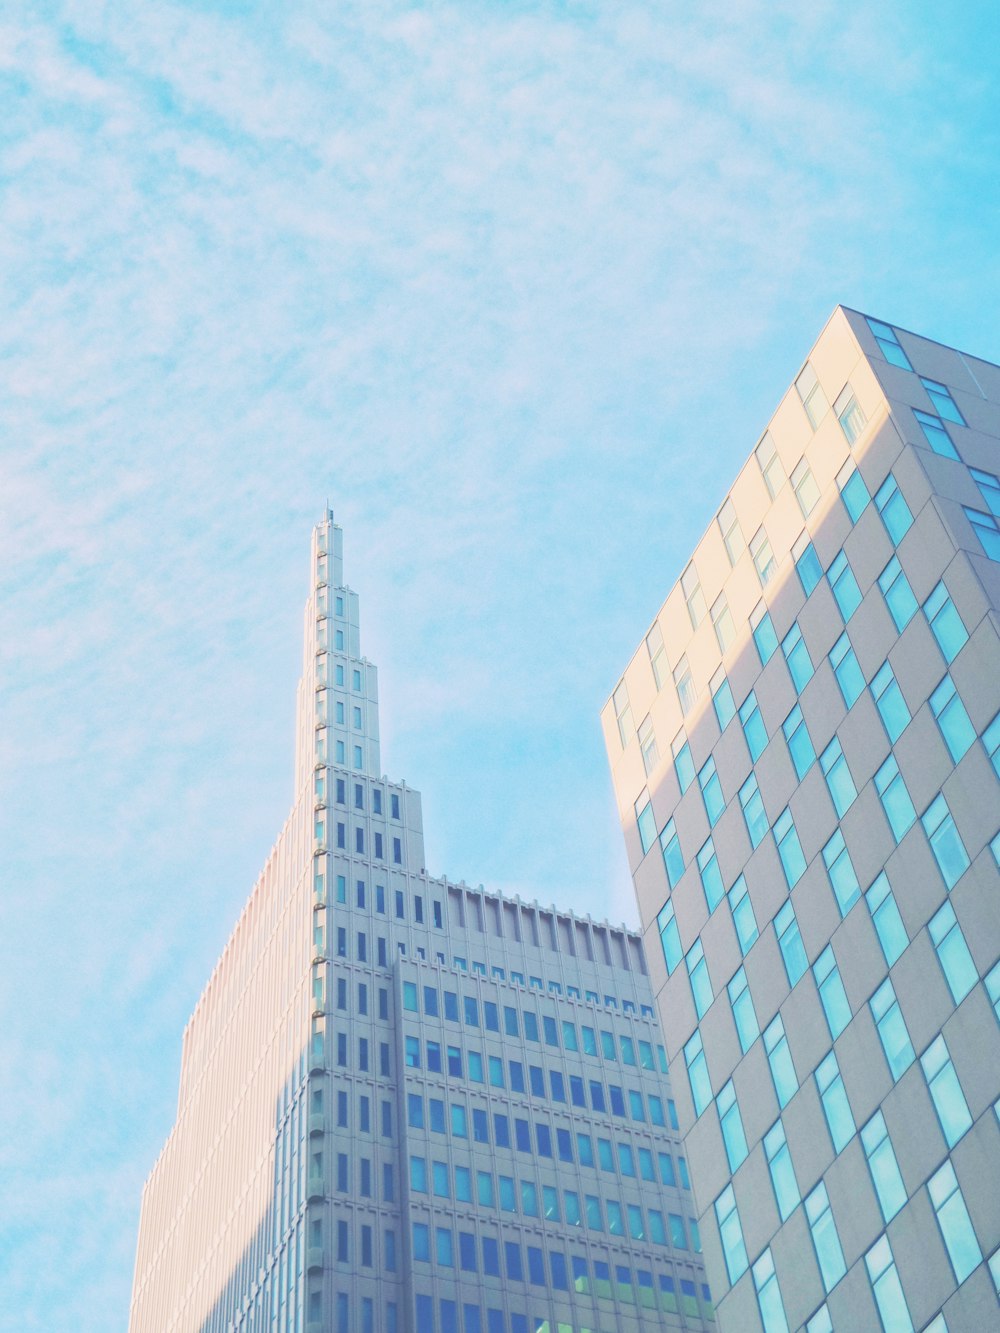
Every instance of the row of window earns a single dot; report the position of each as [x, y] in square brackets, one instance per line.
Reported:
[323, 672]
[321, 789]
[340, 835]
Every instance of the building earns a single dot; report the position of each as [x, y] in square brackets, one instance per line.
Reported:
[407, 1105]
[805, 754]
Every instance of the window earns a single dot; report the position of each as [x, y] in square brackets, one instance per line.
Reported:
[806, 490]
[887, 1288]
[731, 1124]
[952, 952]
[683, 763]
[832, 995]
[826, 1242]
[780, 1060]
[845, 667]
[945, 622]
[892, 1030]
[840, 869]
[763, 557]
[711, 875]
[770, 465]
[989, 488]
[693, 595]
[697, 1069]
[888, 344]
[807, 565]
[647, 745]
[657, 655]
[779, 1163]
[952, 719]
[623, 714]
[645, 822]
[853, 491]
[800, 747]
[793, 863]
[839, 782]
[732, 534]
[722, 699]
[731, 1234]
[743, 917]
[942, 401]
[849, 414]
[811, 395]
[888, 1183]
[790, 942]
[844, 586]
[673, 860]
[797, 657]
[753, 727]
[954, 1221]
[895, 511]
[765, 1281]
[936, 434]
[946, 844]
[991, 743]
[669, 936]
[987, 530]
[946, 1091]
[898, 595]
[885, 917]
[722, 620]
[753, 811]
[764, 637]
[744, 1016]
[701, 985]
[711, 791]
[836, 1107]
[684, 685]
[895, 798]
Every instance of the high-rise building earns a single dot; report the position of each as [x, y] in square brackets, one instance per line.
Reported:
[407, 1105]
[806, 754]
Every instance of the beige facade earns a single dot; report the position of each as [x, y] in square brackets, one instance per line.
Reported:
[805, 754]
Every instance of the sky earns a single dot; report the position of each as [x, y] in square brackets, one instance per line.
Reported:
[515, 287]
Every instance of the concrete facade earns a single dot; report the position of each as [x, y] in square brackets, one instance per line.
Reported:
[408, 1104]
[806, 755]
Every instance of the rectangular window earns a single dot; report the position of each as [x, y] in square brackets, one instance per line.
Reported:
[895, 798]
[732, 534]
[840, 870]
[753, 727]
[780, 1060]
[731, 1234]
[701, 985]
[800, 666]
[753, 811]
[936, 434]
[945, 622]
[946, 843]
[887, 1288]
[885, 917]
[946, 1091]
[811, 395]
[888, 345]
[645, 822]
[895, 512]
[888, 1183]
[952, 719]
[711, 875]
[623, 715]
[989, 488]
[779, 1163]
[826, 1242]
[722, 621]
[800, 747]
[683, 763]
[844, 586]
[853, 491]
[793, 952]
[673, 859]
[890, 703]
[669, 936]
[898, 595]
[892, 1030]
[744, 1016]
[953, 952]
[942, 401]
[850, 677]
[986, 529]
[806, 490]
[647, 745]
[697, 1070]
[849, 414]
[693, 595]
[765, 1281]
[807, 565]
[836, 1107]
[763, 557]
[953, 1219]
[657, 655]
[831, 992]
[743, 916]
[770, 466]
[711, 792]
[793, 862]
[731, 1124]
[722, 699]
[684, 685]
[839, 782]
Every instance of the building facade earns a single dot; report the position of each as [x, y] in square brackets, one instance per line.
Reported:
[806, 754]
[407, 1105]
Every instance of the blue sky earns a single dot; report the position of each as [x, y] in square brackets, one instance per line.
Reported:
[516, 286]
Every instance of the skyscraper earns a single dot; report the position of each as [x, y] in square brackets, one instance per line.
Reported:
[407, 1105]
[806, 755]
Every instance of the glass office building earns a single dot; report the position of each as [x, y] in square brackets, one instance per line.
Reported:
[408, 1105]
[806, 754]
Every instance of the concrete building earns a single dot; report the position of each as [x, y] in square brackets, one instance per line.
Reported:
[407, 1104]
[806, 754]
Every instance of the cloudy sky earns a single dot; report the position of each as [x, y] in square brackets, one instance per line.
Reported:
[515, 286]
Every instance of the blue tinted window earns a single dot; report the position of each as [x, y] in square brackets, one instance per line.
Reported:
[898, 594]
[945, 622]
[753, 726]
[850, 677]
[894, 510]
[854, 494]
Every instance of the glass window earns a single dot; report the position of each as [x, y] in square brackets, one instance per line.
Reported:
[936, 434]
[711, 875]
[987, 530]
[693, 595]
[743, 917]
[831, 992]
[895, 511]
[645, 822]
[888, 344]
[790, 942]
[895, 798]
[953, 1219]
[701, 985]
[623, 714]
[849, 414]
[807, 565]
[942, 401]
[806, 490]
[753, 811]
[684, 685]
[753, 726]
[853, 491]
[673, 860]
[722, 700]
[811, 395]
[898, 594]
[800, 747]
[722, 621]
[840, 869]
[657, 655]
[793, 863]
[744, 1016]
[885, 916]
[711, 791]
[697, 1068]
[839, 782]
[892, 1030]
[669, 936]
[989, 488]
[836, 1107]
[991, 744]
[647, 745]
[889, 1187]
[763, 557]
[779, 1057]
[732, 1126]
[887, 1288]
[765, 1281]
[844, 586]
[731, 1234]
[946, 1091]
[890, 702]
[764, 637]
[770, 466]
[945, 622]
[799, 662]
[732, 534]
[826, 1242]
[779, 1163]
[953, 952]
[849, 675]
[946, 843]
